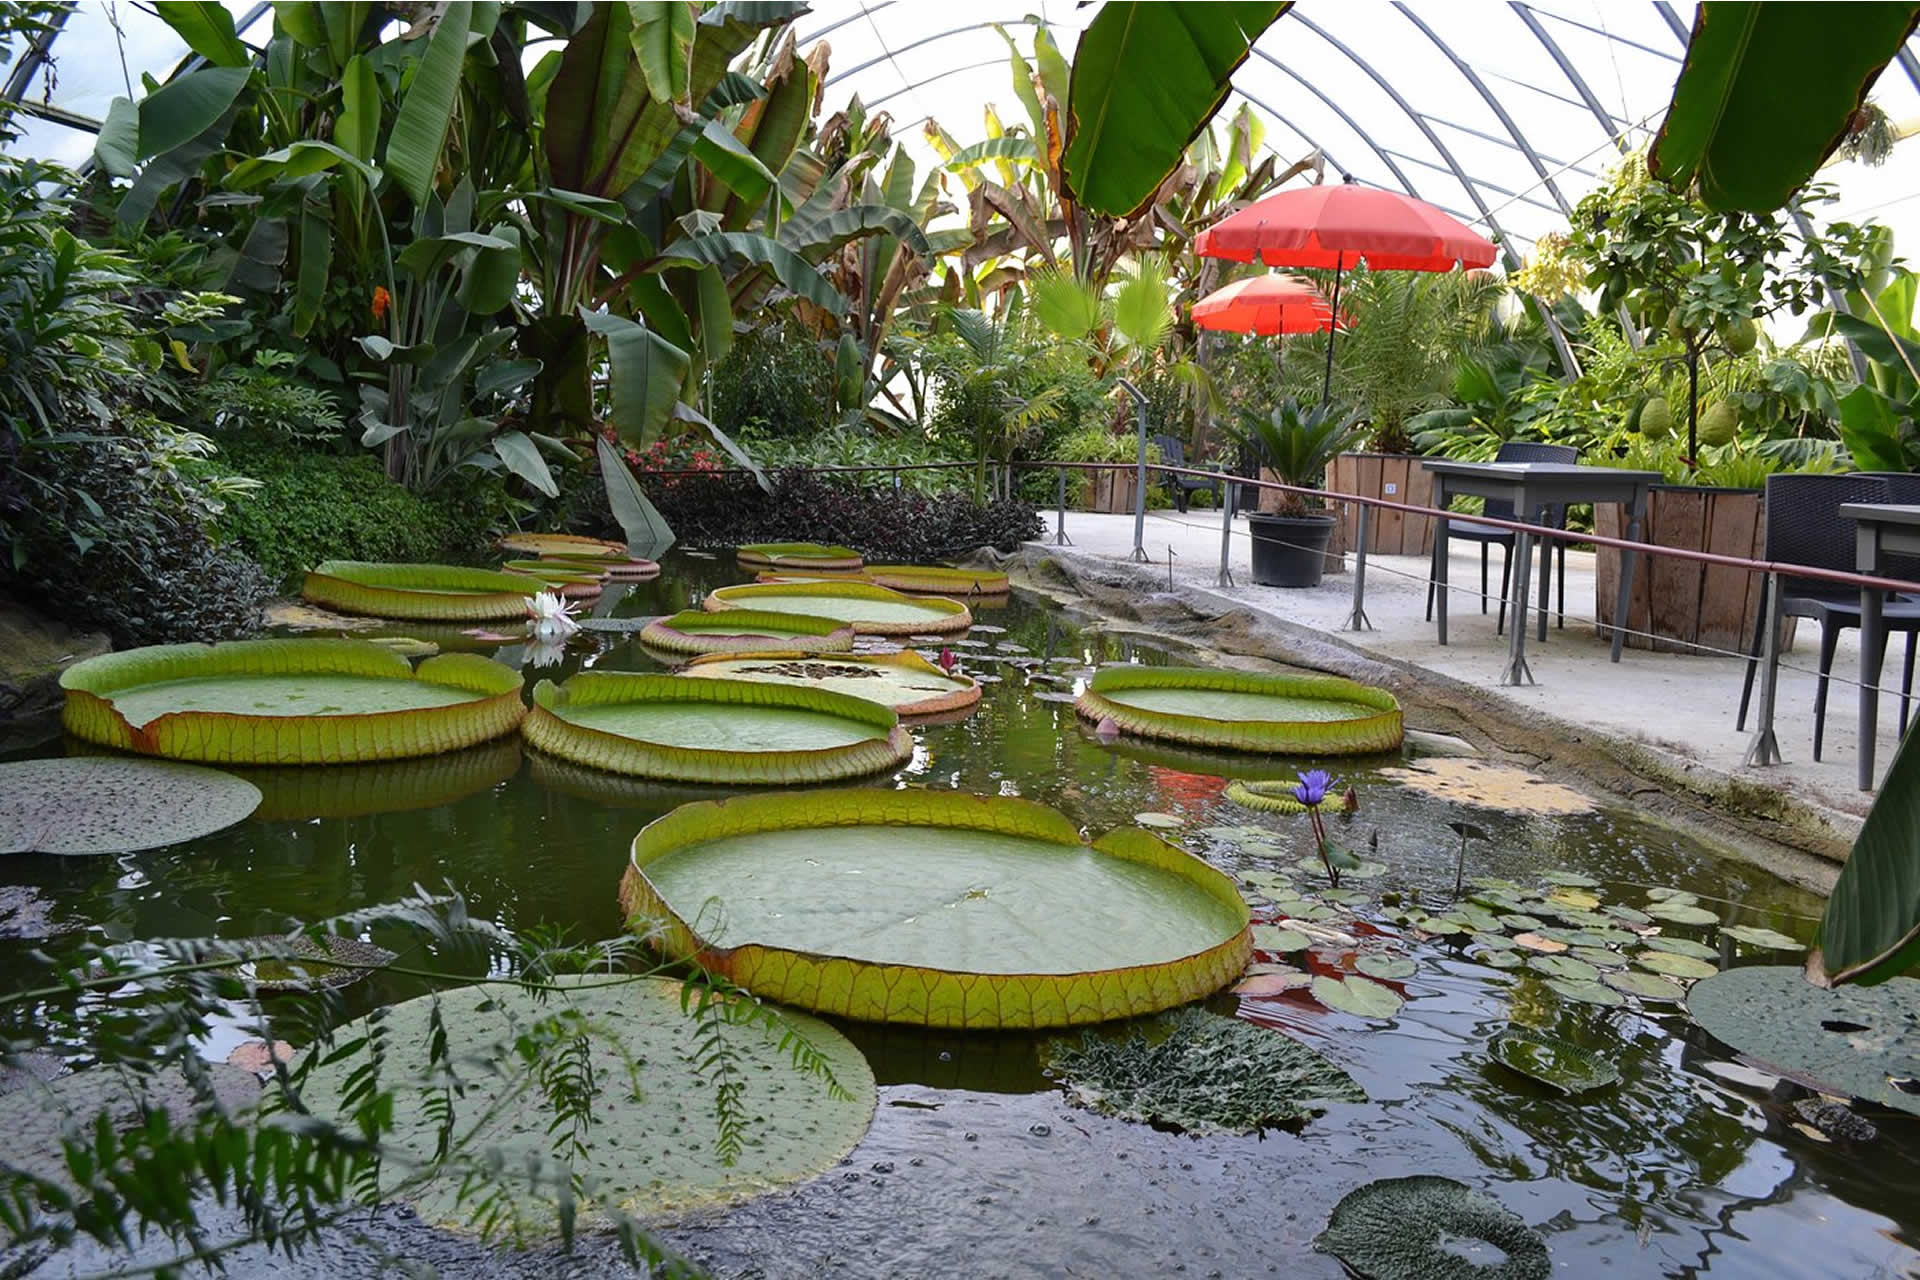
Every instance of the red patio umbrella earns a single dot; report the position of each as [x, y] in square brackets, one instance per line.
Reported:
[1331, 226]
[1272, 304]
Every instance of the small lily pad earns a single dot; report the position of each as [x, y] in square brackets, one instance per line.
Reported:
[1574, 899]
[1497, 959]
[1756, 936]
[1268, 937]
[1494, 941]
[1271, 984]
[1664, 894]
[1632, 915]
[1647, 986]
[1599, 957]
[1682, 913]
[1386, 968]
[1555, 1063]
[1570, 880]
[1675, 965]
[1679, 946]
[1159, 821]
[1539, 942]
[1522, 921]
[112, 804]
[1565, 967]
[1359, 996]
[1587, 992]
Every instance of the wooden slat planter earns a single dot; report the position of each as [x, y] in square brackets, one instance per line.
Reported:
[1112, 490]
[1683, 603]
[1397, 477]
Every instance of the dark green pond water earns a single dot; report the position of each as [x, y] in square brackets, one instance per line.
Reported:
[976, 1165]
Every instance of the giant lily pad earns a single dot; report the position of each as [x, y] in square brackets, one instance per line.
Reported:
[869, 610]
[925, 579]
[936, 908]
[1200, 1073]
[568, 545]
[1555, 1063]
[727, 731]
[288, 702]
[1426, 1228]
[424, 592]
[1862, 1041]
[809, 556]
[1244, 711]
[905, 681]
[654, 1147]
[386, 786]
[110, 804]
[1273, 796]
[746, 631]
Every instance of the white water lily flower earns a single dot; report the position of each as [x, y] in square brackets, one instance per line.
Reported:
[552, 618]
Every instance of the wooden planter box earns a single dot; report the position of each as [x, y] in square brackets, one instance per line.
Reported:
[1111, 490]
[1396, 477]
[1684, 603]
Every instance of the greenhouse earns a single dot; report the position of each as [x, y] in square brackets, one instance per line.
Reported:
[717, 638]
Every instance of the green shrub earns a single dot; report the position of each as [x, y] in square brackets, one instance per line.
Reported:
[775, 381]
[312, 507]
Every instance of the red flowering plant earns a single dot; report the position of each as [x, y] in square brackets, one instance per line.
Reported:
[682, 453]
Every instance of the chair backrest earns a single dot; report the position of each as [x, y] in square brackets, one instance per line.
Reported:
[1529, 451]
[1172, 452]
[1804, 525]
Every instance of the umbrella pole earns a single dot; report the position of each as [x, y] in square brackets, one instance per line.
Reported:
[1333, 330]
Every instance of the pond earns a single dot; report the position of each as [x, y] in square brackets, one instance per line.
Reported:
[976, 1164]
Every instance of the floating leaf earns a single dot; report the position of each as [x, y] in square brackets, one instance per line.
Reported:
[904, 681]
[1586, 992]
[657, 1145]
[1675, 965]
[421, 592]
[1599, 957]
[107, 804]
[1565, 967]
[1271, 984]
[1574, 899]
[1426, 1228]
[1158, 821]
[38, 1113]
[1267, 937]
[1555, 1063]
[1569, 879]
[1539, 942]
[1679, 946]
[1245, 711]
[747, 630]
[1647, 986]
[1682, 913]
[1494, 942]
[1666, 894]
[1486, 785]
[1497, 959]
[1361, 997]
[1386, 968]
[1522, 921]
[1756, 936]
[869, 610]
[1632, 915]
[1198, 1072]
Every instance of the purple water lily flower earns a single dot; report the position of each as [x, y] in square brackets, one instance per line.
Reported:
[1314, 784]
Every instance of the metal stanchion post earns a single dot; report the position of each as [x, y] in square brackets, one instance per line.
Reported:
[1765, 747]
[1358, 620]
[1060, 538]
[1139, 473]
[1226, 537]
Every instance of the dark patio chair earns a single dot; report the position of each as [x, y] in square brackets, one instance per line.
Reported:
[1174, 454]
[1804, 526]
[1488, 535]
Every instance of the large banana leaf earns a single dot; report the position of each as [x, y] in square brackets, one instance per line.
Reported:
[1245, 711]
[183, 109]
[1871, 929]
[420, 129]
[207, 28]
[719, 248]
[279, 702]
[648, 533]
[1122, 142]
[822, 231]
[647, 373]
[962, 924]
[662, 40]
[1766, 94]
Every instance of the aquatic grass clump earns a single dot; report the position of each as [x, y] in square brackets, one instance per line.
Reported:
[1244, 711]
[935, 908]
[285, 702]
[1199, 1073]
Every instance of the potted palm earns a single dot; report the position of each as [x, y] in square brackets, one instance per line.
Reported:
[1296, 442]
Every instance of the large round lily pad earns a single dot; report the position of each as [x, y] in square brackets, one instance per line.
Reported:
[288, 702]
[570, 545]
[938, 580]
[727, 731]
[936, 908]
[904, 681]
[1862, 1041]
[1426, 1228]
[869, 610]
[109, 804]
[385, 786]
[425, 592]
[654, 1144]
[798, 555]
[1244, 711]
[746, 631]
[1200, 1073]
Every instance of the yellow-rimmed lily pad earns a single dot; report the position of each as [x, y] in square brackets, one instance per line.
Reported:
[276, 702]
[905, 681]
[387, 786]
[746, 631]
[111, 804]
[936, 908]
[798, 555]
[722, 731]
[562, 544]
[869, 610]
[1244, 711]
[1271, 796]
[655, 1148]
[927, 579]
[420, 592]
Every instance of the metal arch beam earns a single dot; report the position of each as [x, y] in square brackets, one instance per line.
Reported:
[1493, 104]
[35, 56]
[887, 52]
[831, 27]
[950, 71]
[1433, 139]
[1608, 35]
[1514, 197]
[1679, 28]
[1560, 59]
[1911, 65]
[1559, 166]
[1406, 183]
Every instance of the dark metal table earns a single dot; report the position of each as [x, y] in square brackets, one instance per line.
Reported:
[1880, 527]
[1530, 486]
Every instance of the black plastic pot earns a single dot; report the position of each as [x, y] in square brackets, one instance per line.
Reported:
[1289, 551]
